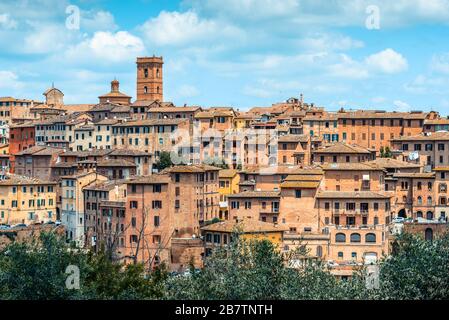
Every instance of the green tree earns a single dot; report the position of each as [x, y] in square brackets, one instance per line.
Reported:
[257, 270]
[385, 152]
[37, 271]
[164, 161]
[417, 269]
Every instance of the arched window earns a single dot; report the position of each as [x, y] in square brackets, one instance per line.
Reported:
[429, 186]
[340, 237]
[319, 251]
[428, 234]
[429, 200]
[443, 187]
[145, 72]
[442, 201]
[419, 200]
[404, 199]
[370, 238]
[419, 214]
[157, 73]
[157, 89]
[145, 89]
[429, 215]
[355, 237]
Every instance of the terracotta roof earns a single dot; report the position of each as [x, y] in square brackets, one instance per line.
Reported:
[64, 165]
[150, 122]
[304, 177]
[393, 163]
[81, 174]
[85, 153]
[213, 113]
[115, 163]
[270, 170]
[105, 185]
[128, 152]
[11, 99]
[29, 124]
[300, 184]
[293, 138]
[246, 115]
[255, 194]
[341, 147]
[433, 136]
[102, 107]
[244, 226]
[352, 195]
[153, 179]
[327, 116]
[40, 151]
[77, 108]
[227, 173]
[13, 179]
[71, 118]
[121, 109]
[357, 166]
[114, 94]
[155, 103]
[194, 168]
[106, 122]
[422, 175]
[373, 114]
[174, 109]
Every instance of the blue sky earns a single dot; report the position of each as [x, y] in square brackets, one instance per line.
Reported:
[239, 53]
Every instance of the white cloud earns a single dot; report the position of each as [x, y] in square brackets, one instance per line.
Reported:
[247, 9]
[378, 100]
[175, 28]
[188, 91]
[329, 42]
[46, 38]
[107, 47]
[9, 80]
[98, 21]
[324, 12]
[440, 63]
[402, 106]
[423, 84]
[387, 61]
[6, 22]
[348, 68]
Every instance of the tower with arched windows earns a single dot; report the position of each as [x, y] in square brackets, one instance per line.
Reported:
[149, 78]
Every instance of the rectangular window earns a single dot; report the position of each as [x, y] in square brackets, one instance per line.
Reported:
[156, 204]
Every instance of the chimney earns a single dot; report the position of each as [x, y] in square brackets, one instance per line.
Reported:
[115, 85]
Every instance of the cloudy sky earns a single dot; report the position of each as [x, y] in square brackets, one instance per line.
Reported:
[239, 53]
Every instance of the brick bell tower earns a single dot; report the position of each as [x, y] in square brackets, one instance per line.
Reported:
[149, 78]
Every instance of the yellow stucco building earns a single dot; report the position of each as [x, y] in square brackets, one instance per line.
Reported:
[219, 234]
[27, 200]
[228, 184]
